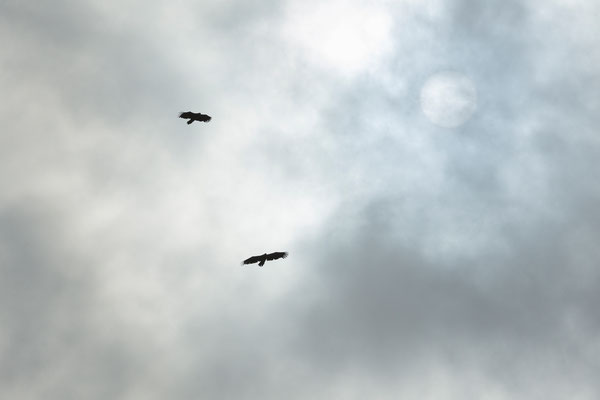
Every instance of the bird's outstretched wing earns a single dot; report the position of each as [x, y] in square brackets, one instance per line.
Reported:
[252, 260]
[277, 255]
[187, 114]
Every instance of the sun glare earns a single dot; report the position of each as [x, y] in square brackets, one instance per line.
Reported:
[348, 38]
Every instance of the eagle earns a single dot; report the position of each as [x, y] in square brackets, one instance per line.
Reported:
[265, 257]
[194, 117]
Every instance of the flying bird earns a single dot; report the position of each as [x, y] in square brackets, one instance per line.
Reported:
[194, 117]
[265, 257]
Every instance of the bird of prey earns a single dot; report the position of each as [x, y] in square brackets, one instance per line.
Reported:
[194, 117]
[265, 257]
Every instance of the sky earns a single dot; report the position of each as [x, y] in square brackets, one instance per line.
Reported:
[430, 166]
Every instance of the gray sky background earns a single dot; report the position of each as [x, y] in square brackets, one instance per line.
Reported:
[425, 262]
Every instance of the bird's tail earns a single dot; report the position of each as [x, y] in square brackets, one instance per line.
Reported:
[190, 121]
[261, 263]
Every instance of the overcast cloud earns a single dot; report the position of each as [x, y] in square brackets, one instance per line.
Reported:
[425, 262]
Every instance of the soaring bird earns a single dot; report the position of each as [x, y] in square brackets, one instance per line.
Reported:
[265, 257]
[194, 117]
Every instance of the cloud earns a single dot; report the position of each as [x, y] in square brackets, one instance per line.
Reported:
[424, 262]
[378, 304]
[345, 37]
[53, 331]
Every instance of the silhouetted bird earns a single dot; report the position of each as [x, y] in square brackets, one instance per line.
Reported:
[265, 257]
[194, 117]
